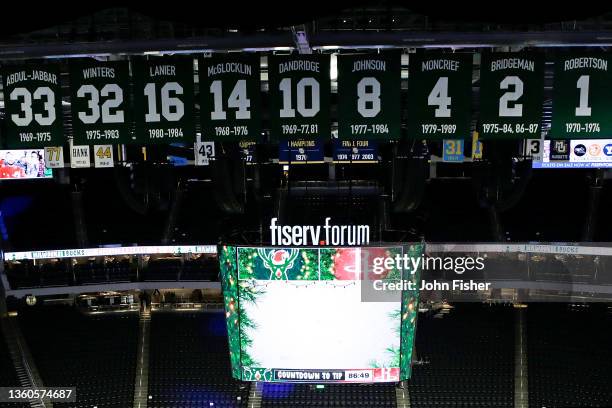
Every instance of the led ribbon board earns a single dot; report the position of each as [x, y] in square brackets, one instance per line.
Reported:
[297, 315]
[111, 251]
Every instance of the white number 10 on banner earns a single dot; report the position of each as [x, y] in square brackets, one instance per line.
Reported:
[204, 151]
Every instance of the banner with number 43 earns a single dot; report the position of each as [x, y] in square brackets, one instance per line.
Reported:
[204, 151]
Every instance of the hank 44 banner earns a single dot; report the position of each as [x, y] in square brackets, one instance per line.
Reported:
[511, 95]
[369, 96]
[230, 107]
[439, 95]
[164, 101]
[582, 107]
[299, 96]
[33, 106]
[100, 102]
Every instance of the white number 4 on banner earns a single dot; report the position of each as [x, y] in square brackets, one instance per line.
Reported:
[103, 156]
[204, 151]
[54, 157]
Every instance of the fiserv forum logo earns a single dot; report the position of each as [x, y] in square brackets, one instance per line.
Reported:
[315, 235]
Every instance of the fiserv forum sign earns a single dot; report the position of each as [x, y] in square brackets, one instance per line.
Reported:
[315, 235]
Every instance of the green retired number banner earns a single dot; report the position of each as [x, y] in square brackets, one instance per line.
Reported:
[33, 106]
[100, 102]
[369, 96]
[582, 103]
[164, 101]
[511, 95]
[230, 107]
[439, 95]
[299, 96]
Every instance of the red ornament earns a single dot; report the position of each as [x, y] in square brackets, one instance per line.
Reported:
[279, 257]
[346, 263]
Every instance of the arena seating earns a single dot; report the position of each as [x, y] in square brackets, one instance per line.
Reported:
[201, 269]
[23, 275]
[90, 272]
[189, 362]
[206, 269]
[7, 370]
[332, 395]
[8, 376]
[469, 355]
[570, 357]
[27, 275]
[163, 269]
[467, 360]
[95, 353]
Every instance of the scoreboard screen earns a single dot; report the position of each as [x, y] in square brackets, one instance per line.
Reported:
[24, 164]
[300, 315]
